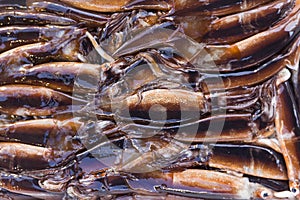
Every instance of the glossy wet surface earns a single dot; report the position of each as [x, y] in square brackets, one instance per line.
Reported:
[149, 99]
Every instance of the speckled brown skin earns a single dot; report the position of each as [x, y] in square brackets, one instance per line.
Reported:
[103, 6]
[172, 100]
[24, 158]
[288, 132]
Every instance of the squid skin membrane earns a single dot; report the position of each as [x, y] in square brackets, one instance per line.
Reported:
[201, 184]
[207, 27]
[218, 156]
[178, 99]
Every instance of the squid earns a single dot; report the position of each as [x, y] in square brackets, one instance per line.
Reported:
[109, 6]
[288, 59]
[41, 132]
[149, 99]
[64, 48]
[201, 184]
[33, 100]
[86, 17]
[27, 187]
[210, 7]
[15, 36]
[287, 133]
[8, 18]
[215, 7]
[245, 53]
[233, 28]
[66, 77]
[209, 27]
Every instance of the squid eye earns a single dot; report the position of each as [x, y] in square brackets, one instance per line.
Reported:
[295, 191]
[264, 194]
[166, 52]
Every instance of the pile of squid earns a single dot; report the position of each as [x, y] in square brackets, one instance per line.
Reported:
[150, 99]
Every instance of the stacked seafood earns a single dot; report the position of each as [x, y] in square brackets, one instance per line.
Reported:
[154, 99]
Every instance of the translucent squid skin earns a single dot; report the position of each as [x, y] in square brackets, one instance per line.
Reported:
[114, 99]
[18, 157]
